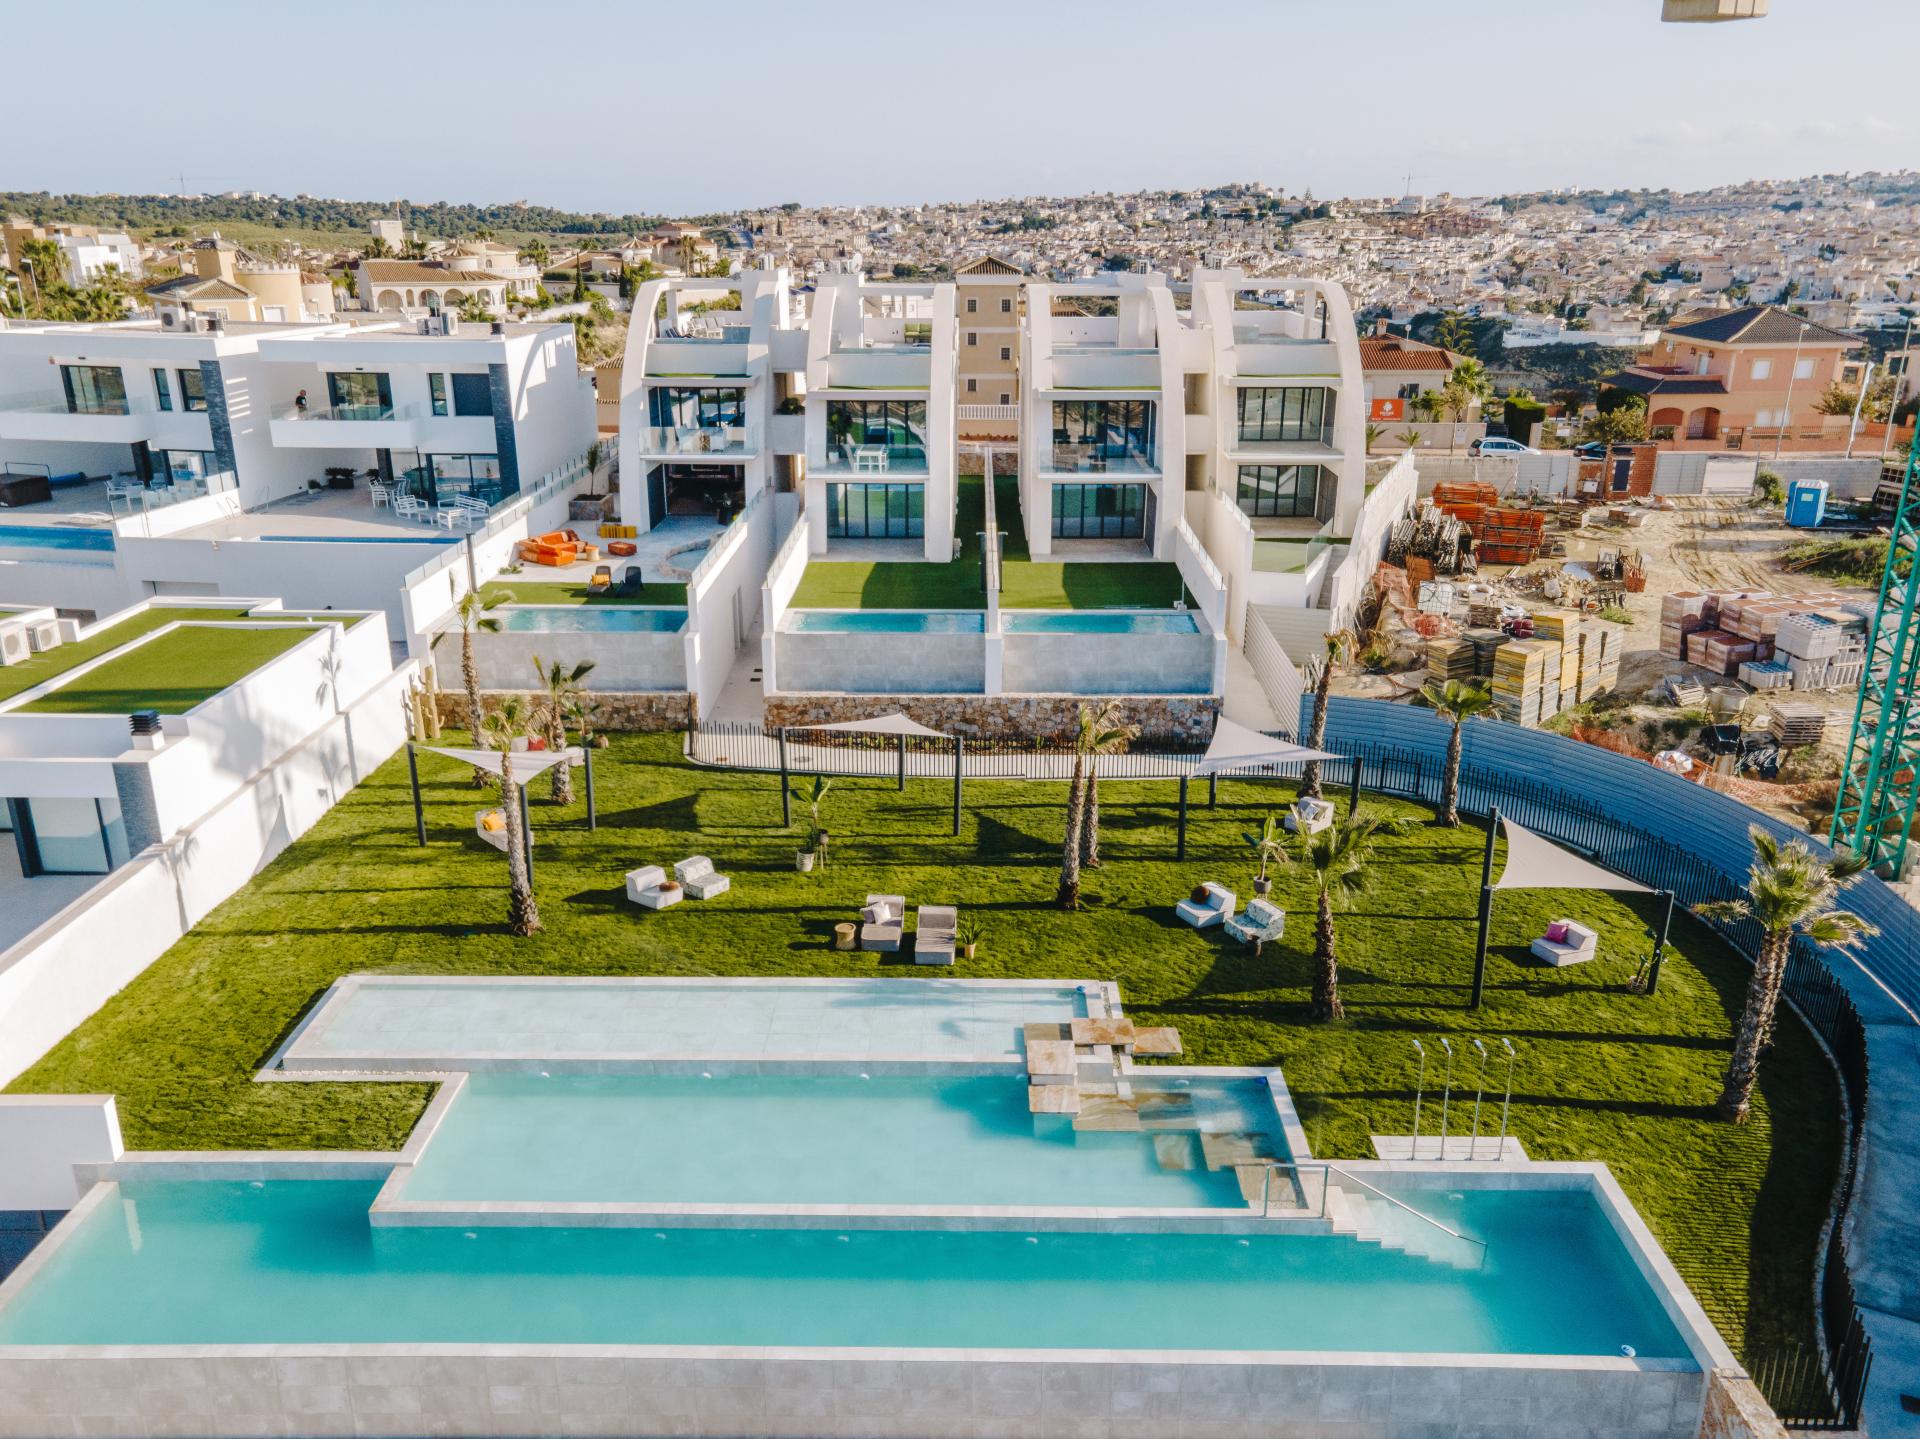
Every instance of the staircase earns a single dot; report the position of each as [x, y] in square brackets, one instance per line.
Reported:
[1369, 1218]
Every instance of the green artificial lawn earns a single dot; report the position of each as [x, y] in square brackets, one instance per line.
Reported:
[1025, 584]
[16, 679]
[538, 592]
[1603, 1074]
[172, 672]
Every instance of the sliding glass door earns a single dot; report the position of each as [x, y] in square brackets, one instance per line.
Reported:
[1104, 512]
[876, 512]
[357, 395]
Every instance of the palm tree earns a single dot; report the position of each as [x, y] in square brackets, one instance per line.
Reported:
[1374, 435]
[1335, 860]
[1466, 387]
[1101, 732]
[475, 612]
[1068, 895]
[563, 688]
[1457, 701]
[507, 723]
[1337, 643]
[1409, 437]
[1790, 891]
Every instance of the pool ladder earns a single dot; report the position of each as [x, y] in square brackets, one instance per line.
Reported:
[1359, 1212]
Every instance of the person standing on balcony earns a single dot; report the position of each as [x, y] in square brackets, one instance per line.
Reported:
[300, 402]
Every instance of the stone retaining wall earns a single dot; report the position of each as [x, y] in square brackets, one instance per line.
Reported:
[633, 712]
[1006, 717]
[1735, 1409]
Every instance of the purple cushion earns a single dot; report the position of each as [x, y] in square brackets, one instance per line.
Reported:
[1557, 932]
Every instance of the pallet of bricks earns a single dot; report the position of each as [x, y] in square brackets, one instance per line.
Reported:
[1739, 633]
[1823, 646]
[1699, 627]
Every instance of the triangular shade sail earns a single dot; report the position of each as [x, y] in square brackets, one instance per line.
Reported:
[1536, 863]
[526, 763]
[881, 724]
[1237, 747]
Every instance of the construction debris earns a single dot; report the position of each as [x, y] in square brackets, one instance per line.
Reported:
[1432, 536]
[1794, 725]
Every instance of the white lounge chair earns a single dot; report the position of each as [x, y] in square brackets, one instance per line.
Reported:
[936, 929]
[1308, 816]
[1579, 945]
[1216, 908]
[697, 877]
[1261, 922]
[883, 923]
[646, 887]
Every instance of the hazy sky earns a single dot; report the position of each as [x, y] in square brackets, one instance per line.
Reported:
[689, 107]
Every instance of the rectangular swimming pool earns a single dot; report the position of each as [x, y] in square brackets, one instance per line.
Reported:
[592, 619]
[295, 1261]
[887, 622]
[420, 539]
[1099, 622]
[394, 1022]
[823, 1139]
[54, 537]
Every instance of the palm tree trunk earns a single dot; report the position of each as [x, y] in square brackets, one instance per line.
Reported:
[471, 676]
[1756, 1022]
[523, 915]
[1069, 894]
[562, 772]
[1326, 970]
[1450, 782]
[1090, 823]
[1317, 731]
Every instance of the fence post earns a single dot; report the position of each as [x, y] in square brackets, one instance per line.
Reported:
[786, 794]
[1213, 791]
[1486, 911]
[419, 814]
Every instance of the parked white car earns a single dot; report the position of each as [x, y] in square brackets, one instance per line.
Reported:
[1499, 445]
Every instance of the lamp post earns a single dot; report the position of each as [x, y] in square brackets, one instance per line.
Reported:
[1419, 1088]
[1446, 1096]
[1786, 415]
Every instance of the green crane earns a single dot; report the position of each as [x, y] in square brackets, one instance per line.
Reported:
[1880, 785]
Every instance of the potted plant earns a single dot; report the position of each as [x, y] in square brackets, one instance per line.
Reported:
[966, 937]
[803, 858]
[816, 835]
[1268, 843]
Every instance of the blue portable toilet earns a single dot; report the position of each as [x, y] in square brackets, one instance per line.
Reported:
[1807, 504]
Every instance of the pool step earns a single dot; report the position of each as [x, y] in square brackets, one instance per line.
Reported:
[1106, 1113]
[1169, 1111]
[1227, 1151]
[1372, 1220]
[1175, 1150]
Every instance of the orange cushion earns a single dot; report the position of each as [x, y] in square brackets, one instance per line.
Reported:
[493, 821]
[623, 548]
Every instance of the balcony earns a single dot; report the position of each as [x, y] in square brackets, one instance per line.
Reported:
[1261, 356]
[1104, 367]
[50, 418]
[900, 367]
[1108, 460]
[381, 427]
[699, 442]
[721, 355]
[873, 462]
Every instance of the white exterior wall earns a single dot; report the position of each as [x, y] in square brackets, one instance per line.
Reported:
[43, 1136]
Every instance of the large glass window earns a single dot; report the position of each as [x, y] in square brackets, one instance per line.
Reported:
[448, 475]
[69, 836]
[162, 393]
[1099, 511]
[357, 395]
[1096, 435]
[876, 512]
[877, 434]
[1286, 414]
[193, 390]
[94, 389]
[437, 392]
[472, 395]
[1284, 490]
[706, 408]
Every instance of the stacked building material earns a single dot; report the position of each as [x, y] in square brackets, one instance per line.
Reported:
[1766, 674]
[1509, 537]
[1794, 725]
[1719, 651]
[1824, 648]
[1428, 534]
[1449, 659]
[1519, 676]
[1486, 644]
[1681, 614]
[1465, 500]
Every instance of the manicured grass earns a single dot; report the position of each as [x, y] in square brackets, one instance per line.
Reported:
[171, 673]
[515, 591]
[1603, 1074]
[17, 679]
[1024, 583]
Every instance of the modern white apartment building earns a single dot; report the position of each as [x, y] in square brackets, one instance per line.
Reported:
[710, 395]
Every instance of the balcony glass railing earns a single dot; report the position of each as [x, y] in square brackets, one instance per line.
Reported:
[848, 458]
[40, 404]
[737, 440]
[357, 413]
[1072, 459]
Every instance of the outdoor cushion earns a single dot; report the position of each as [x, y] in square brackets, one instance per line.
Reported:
[1557, 931]
[873, 914]
[493, 820]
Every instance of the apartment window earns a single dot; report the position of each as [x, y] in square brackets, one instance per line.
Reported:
[472, 395]
[450, 475]
[1803, 370]
[1286, 414]
[1006, 352]
[973, 338]
[1410, 390]
[973, 305]
[856, 428]
[1700, 364]
[1763, 369]
[1279, 490]
[1093, 435]
[357, 395]
[193, 390]
[876, 511]
[162, 393]
[1006, 306]
[1106, 512]
[704, 408]
[1005, 398]
[94, 389]
[437, 389]
[973, 386]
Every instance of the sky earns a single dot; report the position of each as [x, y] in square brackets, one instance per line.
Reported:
[689, 108]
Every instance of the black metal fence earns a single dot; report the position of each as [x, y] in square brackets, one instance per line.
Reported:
[1808, 1388]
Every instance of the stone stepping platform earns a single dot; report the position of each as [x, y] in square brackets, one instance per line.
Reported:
[1114, 1033]
[1227, 1151]
[1157, 1042]
[1175, 1151]
[1167, 1111]
[1043, 1031]
[1051, 1061]
[1053, 1099]
[1103, 1114]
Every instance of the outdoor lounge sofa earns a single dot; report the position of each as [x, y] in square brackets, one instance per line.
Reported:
[1308, 816]
[1260, 923]
[1577, 945]
[1216, 908]
[697, 877]
[936, 928]
[883, 923]
[648, 887]
[558, 549]
[491, 825]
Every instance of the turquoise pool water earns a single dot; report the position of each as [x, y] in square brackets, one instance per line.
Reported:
[400, 1019]
[803, 1139]
[592, 619]
[364, 539]
[888, 622]
[1099, 622]
[54, 537]
[296, 1262]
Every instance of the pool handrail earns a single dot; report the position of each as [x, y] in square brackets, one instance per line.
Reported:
[1329, 1171]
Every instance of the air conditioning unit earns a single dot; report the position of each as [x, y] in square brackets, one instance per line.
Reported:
[43, 634]
[14, 648]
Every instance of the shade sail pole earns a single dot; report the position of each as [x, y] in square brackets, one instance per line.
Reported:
[1486, 912]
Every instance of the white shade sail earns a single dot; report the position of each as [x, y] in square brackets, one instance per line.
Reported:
[1536, 863]
[526, 763]
[1237, 747]
[895, 723]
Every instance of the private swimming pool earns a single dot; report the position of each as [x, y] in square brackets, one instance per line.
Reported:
[592, 619]
[54, 537]
[887, 622]
[1099, 622]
